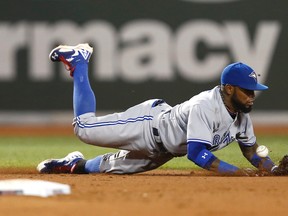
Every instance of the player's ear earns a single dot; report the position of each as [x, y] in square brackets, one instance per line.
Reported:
[229, 89]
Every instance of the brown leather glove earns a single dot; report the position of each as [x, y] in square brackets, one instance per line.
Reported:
[282, 169]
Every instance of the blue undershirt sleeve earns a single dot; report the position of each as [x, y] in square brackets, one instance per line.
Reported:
[200, 155]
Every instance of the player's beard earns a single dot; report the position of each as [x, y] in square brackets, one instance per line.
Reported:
[240, 107]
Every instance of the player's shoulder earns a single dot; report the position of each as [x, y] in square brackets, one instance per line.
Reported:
[207, 97]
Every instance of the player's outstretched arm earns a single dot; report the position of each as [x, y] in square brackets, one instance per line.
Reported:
[201, 156]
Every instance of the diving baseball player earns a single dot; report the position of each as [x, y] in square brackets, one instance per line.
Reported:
[151, 133]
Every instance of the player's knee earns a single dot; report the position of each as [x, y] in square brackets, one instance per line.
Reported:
[81, 133]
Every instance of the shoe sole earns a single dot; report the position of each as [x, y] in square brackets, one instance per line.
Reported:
[84, 46]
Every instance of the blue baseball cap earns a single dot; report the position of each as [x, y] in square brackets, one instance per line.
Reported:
[241, 75]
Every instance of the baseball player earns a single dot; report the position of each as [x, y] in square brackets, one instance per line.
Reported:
[151, 133]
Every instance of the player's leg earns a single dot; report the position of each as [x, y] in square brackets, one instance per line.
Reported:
[121, 162]
[76, 59]
[84, 100]
[129, 130]
[125, 162]
[117, 130]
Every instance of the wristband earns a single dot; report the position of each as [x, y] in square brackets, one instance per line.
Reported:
[267, 164]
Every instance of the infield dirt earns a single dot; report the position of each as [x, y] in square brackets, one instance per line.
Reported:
[159, 192]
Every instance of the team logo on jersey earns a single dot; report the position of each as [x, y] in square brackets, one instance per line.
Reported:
[225, 139]
[216, 140]
[253, 75]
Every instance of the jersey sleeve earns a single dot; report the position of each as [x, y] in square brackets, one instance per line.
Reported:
[200, 125]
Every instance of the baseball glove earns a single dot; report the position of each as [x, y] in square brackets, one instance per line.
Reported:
[282, 169]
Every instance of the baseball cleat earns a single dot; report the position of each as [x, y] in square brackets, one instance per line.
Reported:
[63, 165]
[71, 55]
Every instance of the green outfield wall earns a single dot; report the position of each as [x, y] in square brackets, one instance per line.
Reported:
[143, 49]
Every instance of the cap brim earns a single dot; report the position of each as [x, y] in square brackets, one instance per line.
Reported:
[257, 87]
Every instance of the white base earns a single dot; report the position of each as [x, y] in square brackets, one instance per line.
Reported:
[29, 187]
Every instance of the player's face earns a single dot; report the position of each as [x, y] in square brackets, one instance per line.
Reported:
[243, 99]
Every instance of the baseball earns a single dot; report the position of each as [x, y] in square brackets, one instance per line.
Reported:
[262, 151]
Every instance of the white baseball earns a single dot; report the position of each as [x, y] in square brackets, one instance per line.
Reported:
[262, 151]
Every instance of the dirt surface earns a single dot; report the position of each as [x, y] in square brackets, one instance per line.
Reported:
[159, 192]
